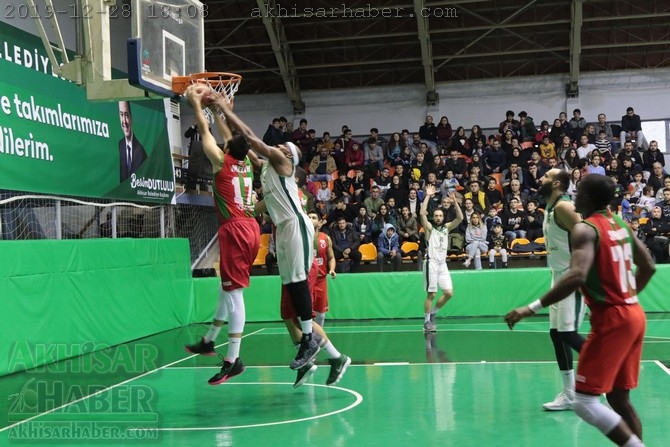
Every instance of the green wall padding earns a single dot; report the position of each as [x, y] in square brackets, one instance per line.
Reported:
[68, 293]
[401, 295]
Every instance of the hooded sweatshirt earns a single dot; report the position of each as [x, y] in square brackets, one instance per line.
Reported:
[386, 244]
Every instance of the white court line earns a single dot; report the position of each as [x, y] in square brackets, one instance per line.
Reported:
[662, 366]
[357, 402]
[112, 386]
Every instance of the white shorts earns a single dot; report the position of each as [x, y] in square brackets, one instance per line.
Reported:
[295, 249]
[436, 274]
[566, 315]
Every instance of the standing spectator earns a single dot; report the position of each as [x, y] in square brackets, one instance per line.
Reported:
[527, 127]
[444, 133]
[428, 133]
[577, 124]
[274, 136]
[509, 124]
[631, 128]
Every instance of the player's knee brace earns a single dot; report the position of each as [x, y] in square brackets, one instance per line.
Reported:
[221, 313]
[236, 312]
[593, 412]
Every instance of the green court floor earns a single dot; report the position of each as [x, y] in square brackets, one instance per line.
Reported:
[475, 383]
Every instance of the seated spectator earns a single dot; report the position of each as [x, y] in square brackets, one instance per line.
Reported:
[373, 202]
[361, 185]
[631, 128]
[514, 220]
[637, 231]
[578, 124]
[408, 227]
[657, 178]
[339, 155]
[323, 165]
[342, 187]
[382, 218]
[509, 124]
[604, 145]
[394, 148]
[393, 210]
[544, 131]
[516, 193]
[383, 181]
[533, 181]
[665, 204]
[477, 244]
[449, 184]
[629, 151]
[657, 232]
[626, 207]
[637, 185]
[493, 194]
[534, 221]
[519, 156]
[645, 203]
[340, 210]
[651, 156]
[594, 167]
[547, 148]
[413, 201]
[477, 195]
[585, 148]
[388, 248]
[666, 185]
[374, 157]
[363, 225]
[575, 177]
[498, 244]
[345, 243]
[494, 159]
[323, 193]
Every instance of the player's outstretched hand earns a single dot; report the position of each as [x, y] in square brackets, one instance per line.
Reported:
[194, 94]
[517, 315]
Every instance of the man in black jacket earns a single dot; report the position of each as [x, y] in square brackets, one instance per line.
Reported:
[631, 129]
[345, 243]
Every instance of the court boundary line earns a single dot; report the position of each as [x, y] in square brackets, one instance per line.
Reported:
[146, 373]
[662, 366]
[357, 402]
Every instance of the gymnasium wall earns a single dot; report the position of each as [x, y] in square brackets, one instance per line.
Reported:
[63, 298]
[400, 295]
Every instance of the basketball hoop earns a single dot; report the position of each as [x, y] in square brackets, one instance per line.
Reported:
[224, 83]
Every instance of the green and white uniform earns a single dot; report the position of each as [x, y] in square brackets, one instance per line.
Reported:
[295, 232]
[435, 271]
[566, 315]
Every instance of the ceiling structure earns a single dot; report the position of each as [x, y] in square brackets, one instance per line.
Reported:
[295, 45]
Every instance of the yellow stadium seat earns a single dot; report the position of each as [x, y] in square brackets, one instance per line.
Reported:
[260, 257]
[265, 240]
[644, 220]
[407, 247]
[540, 240]
[368, 252]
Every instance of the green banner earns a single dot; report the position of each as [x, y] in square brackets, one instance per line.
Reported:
[53, 140]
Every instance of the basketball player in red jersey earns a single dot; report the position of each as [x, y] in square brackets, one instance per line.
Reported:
[604, 250]
[325, 264]
[239, 234]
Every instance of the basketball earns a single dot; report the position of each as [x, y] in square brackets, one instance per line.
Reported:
[207, 98]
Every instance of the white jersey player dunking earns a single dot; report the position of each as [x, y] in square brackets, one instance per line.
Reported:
[435, 268]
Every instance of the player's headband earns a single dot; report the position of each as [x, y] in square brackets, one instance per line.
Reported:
[294, 152]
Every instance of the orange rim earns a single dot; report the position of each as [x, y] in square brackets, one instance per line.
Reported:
[218, 80]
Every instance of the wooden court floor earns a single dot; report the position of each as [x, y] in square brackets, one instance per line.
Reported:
[474, 383]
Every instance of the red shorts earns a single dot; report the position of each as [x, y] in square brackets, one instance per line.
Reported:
[610, 357]
[286, 306]
[239, 241]
[320, 295]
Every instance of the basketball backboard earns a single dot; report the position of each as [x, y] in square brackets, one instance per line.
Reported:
[168, 40]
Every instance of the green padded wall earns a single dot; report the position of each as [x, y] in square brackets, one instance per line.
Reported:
[400, 295]
[67, 293]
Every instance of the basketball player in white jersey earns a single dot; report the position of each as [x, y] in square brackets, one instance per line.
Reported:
[435, 269]
[295, 232]
[566, 316]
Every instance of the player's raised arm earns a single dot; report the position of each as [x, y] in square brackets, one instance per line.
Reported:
[282, 161]
[195, 94]
[459, 213]
[423, 211]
